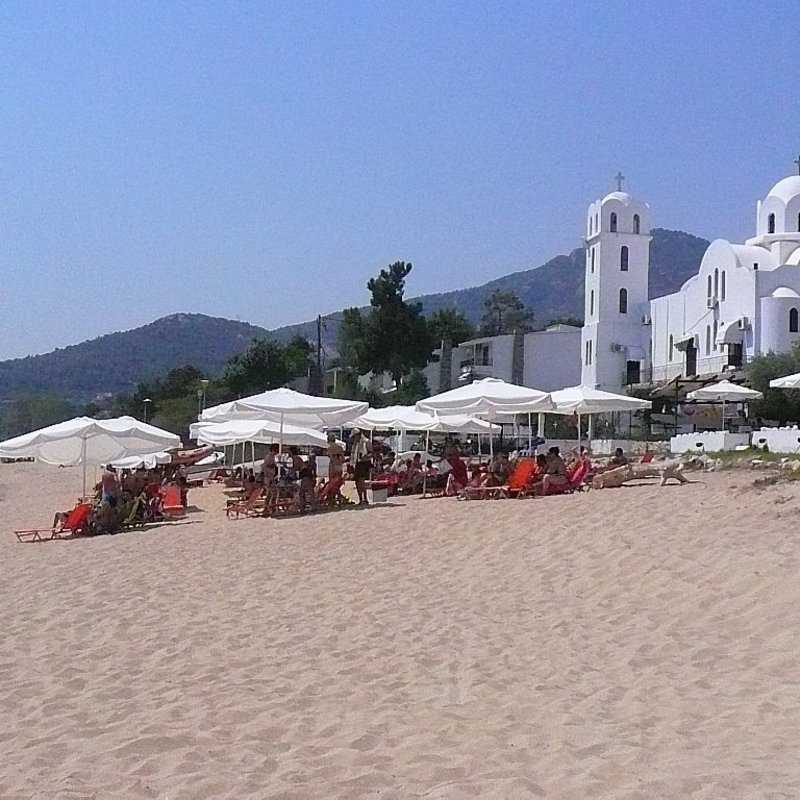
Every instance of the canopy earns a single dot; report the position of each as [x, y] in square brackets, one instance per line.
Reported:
[263, 431]
[89, 441]
[487, 397]
[787, 382]
[724, 392]
[289, 406]
[407, 418]
[148, 461]
[586, 400]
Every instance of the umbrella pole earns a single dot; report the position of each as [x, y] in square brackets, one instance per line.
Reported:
[530, 434]
[540, 425]
[280, 442]
[591, 430]
[425, 468]
[579, 432]
[723, 415]
[83, 459]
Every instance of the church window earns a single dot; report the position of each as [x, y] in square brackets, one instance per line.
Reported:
[798, 223]
[623, 258]
[591, 302]
[716, 283]
[596, 223]
[613, 223]
[623, 301]
[636, 223]
[593, 249]
[671, 349]
[708, 339]
[591, 348]
[709, 285]
[722, 286]
[771, 223]
[715, 334]
[793, 321]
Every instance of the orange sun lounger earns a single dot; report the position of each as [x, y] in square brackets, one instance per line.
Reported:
[75, 524]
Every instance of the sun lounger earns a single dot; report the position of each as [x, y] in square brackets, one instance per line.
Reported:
[171, 501]
[484, 493]
[520, 484]
[575, 480]
[76, 524]
[251, 506]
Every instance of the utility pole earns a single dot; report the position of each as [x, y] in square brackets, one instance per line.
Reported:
[318, 384]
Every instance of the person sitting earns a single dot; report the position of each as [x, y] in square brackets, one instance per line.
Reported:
[499, 470]
[555, 472]
[618, 459]
[411, 480]
[109, 486]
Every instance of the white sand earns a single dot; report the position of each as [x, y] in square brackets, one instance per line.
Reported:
[634, 643]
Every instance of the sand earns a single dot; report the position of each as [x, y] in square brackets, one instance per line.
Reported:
[633, 643]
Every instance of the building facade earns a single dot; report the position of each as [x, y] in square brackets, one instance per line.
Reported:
[744, 301]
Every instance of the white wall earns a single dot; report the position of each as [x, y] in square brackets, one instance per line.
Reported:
[552, 359]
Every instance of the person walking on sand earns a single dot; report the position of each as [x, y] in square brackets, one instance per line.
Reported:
[360, 462]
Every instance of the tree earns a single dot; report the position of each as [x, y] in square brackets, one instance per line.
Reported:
[393, 335]
[780, 405]
[266, 364]
[504, 313]
[414, 388]
[30, 413]
[449, 324]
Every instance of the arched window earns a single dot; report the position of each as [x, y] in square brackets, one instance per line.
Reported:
[623, 258]
[708, 339]
[623, 301]
[771, 223]
[722, 286]
[793, 327]
[709, 285]
[593, 249]
[714, 332]
[591, 348]
[612, 226]
[596, 223]
[591, 302]
[716, 283]
[671, 350]
[636, 223]
[798, 223]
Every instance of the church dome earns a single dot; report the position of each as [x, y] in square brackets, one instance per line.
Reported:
[786, 190]
[622, 197]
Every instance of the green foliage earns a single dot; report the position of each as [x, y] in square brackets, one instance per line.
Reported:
[413, 388]
[30, 413]
[393, 335]
[450, 324]
[780, 405]
[266, 364]
[505, 313]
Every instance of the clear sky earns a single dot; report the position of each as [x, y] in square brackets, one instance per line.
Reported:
[262, 160]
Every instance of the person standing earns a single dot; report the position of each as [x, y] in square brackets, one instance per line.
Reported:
[360, 462]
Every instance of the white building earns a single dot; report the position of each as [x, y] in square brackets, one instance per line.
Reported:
[546, 360]
[743, 302]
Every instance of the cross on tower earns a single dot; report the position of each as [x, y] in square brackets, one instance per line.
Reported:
[619, 178]
[797, 161]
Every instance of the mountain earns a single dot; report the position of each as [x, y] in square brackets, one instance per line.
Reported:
[553, 290]
[117, 361]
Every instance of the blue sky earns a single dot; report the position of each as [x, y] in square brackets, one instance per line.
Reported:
[262, 161]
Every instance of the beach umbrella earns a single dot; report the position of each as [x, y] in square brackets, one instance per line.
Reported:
[488, 397]
[787, 382]
[261, 431]
[724, 392]
[586, 401]
[287, 406]
[148, 461]
[83, 441]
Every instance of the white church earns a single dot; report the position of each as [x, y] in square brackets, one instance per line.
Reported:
[744, 301]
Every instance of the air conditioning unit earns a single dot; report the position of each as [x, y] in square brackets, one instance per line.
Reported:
[711, 302]
[617, 348]
[744, 324]
[647, 319]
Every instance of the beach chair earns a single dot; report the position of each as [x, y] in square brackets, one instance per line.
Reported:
[575, 480]
[250, 506]
[483, 493]
[520, 482]
[646, 458]
[75, 524]
[171, 502]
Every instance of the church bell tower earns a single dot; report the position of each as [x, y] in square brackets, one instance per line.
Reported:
[615, 341]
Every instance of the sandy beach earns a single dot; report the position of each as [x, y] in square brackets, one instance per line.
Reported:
[636, 643]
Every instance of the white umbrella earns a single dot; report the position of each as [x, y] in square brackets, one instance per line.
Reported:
[724, 392]
[488, 397]
[262, 431]
[89, 441]
[787, 382]
[407, 418]
[148, 461]
[585, 400]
